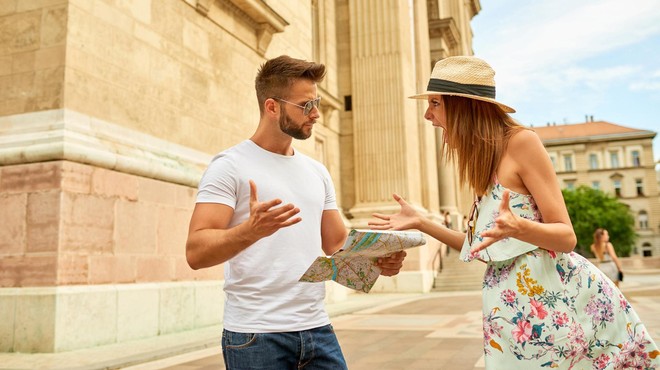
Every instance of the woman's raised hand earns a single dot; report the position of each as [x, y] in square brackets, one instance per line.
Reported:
[506, 225]
[407, 218]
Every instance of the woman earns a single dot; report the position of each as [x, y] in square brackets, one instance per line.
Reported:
[543, 305]
[607, 260]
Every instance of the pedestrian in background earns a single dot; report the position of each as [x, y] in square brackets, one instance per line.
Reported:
[608, 262]
[448, 220]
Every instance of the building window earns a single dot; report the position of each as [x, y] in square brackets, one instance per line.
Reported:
[639, 184]
[643, 218]
[593, 161]
[636, 161]
[617, 187]
[554, 162]
[569, 184]
[595, 185]
[647, 250]
[568, 162]
[614, 159]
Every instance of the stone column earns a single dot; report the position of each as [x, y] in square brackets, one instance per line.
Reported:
[386, 135]
[391, 147]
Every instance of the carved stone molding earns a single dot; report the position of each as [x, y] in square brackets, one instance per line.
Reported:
[474, 6]
[445, 29]
[203, 6]
[256, 13]
[329, 101]
[432, 9]
[264, 35]
[63, 134]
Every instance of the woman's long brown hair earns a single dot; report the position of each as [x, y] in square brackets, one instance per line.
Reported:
[477, 135]
[599, 249]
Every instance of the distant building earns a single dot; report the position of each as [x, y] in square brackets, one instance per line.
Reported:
[615, 159]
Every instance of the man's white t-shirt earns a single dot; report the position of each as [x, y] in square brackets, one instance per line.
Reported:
[261, 282]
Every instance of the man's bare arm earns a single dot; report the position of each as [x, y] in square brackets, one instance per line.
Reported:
[211, 243]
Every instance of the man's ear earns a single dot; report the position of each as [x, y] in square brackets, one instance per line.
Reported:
[271, 107]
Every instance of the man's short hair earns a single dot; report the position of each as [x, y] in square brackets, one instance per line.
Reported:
[276, 76]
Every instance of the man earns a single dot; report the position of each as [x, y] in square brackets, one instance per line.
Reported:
[271, 320]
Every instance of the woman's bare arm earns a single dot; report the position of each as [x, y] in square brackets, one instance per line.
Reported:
[530, 162]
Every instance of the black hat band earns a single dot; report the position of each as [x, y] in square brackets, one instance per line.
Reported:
[444, 86]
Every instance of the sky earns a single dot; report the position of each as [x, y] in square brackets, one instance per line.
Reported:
[557, 61]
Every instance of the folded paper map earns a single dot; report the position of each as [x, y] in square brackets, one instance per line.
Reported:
[354, 264]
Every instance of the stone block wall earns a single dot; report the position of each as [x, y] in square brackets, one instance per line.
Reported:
[90, 256]
[32, 54]
[160, 68]
[67, 223]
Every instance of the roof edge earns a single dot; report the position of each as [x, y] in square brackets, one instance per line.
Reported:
[595, 138]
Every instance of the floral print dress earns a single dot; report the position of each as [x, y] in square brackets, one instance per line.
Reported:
[546, 309]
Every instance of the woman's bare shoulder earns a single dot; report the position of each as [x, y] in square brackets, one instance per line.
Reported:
[524, 136]
[525, 144]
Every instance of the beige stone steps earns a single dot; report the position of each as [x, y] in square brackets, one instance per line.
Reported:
[458, 275]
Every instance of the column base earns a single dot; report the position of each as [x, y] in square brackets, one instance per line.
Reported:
[67, 318]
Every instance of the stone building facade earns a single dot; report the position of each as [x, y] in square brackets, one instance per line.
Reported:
[615, 159]
[111, 109]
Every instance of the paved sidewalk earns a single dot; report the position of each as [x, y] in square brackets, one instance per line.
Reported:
[420, 331]
[376, 331]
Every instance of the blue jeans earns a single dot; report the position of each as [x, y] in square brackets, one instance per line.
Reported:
[314, 349]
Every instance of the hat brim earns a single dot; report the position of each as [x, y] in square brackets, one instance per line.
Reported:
[426, 94]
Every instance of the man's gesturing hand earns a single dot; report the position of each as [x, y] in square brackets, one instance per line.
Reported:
[265, 219]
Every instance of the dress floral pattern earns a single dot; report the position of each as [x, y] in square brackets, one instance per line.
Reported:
[546, 309]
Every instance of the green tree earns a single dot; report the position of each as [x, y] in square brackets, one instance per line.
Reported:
[590, 209]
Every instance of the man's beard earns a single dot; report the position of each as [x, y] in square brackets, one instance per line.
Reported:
[289, 127]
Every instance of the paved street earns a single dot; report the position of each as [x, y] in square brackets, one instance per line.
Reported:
[376, 331]
[427, 331]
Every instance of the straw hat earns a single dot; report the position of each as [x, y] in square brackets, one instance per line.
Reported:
[464, 76]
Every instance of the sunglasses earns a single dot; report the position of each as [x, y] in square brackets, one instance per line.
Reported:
[472, 222]
[307, 107]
